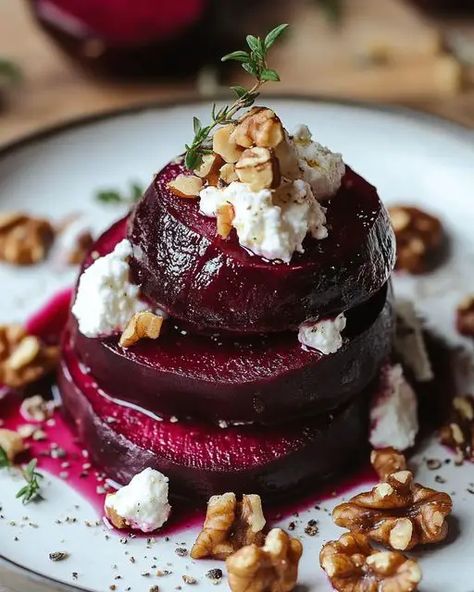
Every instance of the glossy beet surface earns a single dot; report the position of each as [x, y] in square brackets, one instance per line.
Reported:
[215, 285]
[201, 460]
[263, 379]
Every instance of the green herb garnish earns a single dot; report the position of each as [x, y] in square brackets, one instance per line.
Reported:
[9, 71]
[4, 460]
[32, 489]
[255, 63]
[114, 196]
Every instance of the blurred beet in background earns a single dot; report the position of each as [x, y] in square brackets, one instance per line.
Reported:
[140, 38]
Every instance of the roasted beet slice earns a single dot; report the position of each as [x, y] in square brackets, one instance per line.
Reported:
[214, 285]
[201, 460]
[264, 379]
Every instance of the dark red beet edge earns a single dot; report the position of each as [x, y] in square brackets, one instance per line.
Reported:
[214, 285]
[203, 460]
[265, 379]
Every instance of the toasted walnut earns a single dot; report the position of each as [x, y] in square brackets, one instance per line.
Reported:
[352, 565]
[187, 186]
[36, 408]
[224, 145]
[24, 240]
[397, 513]
[419, 238]
[24, 358]
[210, 168]
[271, 568]
[11, 443]
[228, 174]
[259, 127]
[465, 316]
[115, 519]
[387, 461]
[225, 215]
[259, 168]
[229, 525]
[143, 325]
[458, 433]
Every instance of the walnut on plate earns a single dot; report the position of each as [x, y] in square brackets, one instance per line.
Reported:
[419, 238]
[397, 512]
[11, 443]
[24, 358]
[143, 325]
[24, 240]
[271, 568]
[458, 433]
[465, 316]
[387, 461]
[353, 565]
[229, 526]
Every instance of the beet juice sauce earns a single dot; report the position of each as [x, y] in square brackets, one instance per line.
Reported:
[61, 454]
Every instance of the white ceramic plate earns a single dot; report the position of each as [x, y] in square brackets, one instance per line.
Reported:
[408, 156]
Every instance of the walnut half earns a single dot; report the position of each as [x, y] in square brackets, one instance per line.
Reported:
[24, 358]
[271, 568]
[458, 433]
[229, 525]
[24, 240]
[387, 461]
[397, 513]
[352, 565]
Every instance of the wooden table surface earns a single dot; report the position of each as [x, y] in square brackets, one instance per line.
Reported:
[55, 89]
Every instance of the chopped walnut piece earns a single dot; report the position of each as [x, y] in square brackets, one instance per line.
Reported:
[24, 240]
[225, 215]
[210, 168]
[459, 432]
[228, 174]
[78, 252]
[143, 325]
[352, 565]
[24, 358]
[36, 408]
[271, 568]
[11, 443]
[465, 316]
[224, 145]
[259, 127]
[397, 513]
[419, 238]
[387, 461]
[259, 168]
[229, 525]
[187, 186]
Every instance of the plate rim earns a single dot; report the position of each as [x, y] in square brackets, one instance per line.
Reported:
[71, 124]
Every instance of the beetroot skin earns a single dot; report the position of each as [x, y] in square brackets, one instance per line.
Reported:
[203, 460]
[213, 285]
[264, 379]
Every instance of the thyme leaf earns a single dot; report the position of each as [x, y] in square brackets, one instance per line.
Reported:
[254, 62]
[114, 196]
[4, 460]
[32, 490]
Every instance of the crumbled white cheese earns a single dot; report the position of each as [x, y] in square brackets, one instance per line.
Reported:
[394, 412]
[320, 167]
[324, 336]
[410, 342]
[106, 299]
[143, 503]
[271, 224]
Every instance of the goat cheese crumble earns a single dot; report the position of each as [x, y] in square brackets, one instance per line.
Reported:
[394, 412]
[143, 503]
[320, 167]
[324, 336]
[271, 224]
[106, 299]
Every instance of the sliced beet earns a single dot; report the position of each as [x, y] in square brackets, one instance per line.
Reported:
[214, 285]
[201, 460]
[264, 379]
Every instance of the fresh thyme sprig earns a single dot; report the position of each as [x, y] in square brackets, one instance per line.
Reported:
[32, 489]
[9, 71]
[255, 63]
[114, 196]
[4, 460]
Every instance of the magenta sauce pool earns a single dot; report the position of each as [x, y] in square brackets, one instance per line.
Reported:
[62, 455]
